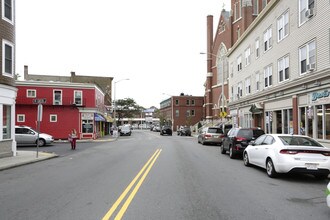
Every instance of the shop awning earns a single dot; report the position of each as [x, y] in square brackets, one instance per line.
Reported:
[256, 108]
[109, 119]
[98, 117]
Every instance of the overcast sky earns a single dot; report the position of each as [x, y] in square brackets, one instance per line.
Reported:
[154, 43]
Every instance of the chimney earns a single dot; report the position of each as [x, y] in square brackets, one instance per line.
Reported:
[209, 42]
[26, 72]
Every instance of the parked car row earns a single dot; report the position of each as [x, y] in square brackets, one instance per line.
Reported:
[276, 153]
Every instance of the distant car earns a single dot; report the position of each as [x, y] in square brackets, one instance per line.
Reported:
[166, 130]
[237, 139]
[285, 153]
[210, 135]
[125, 130]
[184, 131]
[156, 128]
[25, 135]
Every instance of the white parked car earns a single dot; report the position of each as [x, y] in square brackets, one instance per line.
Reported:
[285, 153]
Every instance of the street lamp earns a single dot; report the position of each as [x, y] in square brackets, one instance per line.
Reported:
[222, 95]
[114, 99]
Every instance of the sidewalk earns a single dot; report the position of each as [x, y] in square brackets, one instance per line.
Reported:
[24, 157]
[27, 157]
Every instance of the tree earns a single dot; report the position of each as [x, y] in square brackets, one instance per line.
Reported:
[127, 108]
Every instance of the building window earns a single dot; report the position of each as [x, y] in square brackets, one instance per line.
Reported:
[20, 118]
[8, 10]
[192, 112]
[8, 58]
[187, 102]
[222, 27]
[247, 56]
[283, 26]
[258, 81]
[239, 90]
[6, 121]
[237, 10]
[187, 113]
[192, 102]
[239, 63]
[268, 39]
[255, 7]
[307, 57]
[78, 97]
[176, 102]
[31, 93]
[53, 118]
[57, 100]
[248, 86]
[87, 126]
[257, 45]
[264, 3]
[177, 113]
[268, 75]
[306, 10]
[283, 68]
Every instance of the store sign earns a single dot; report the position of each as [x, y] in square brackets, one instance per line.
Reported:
[87, 116]
[320, 97]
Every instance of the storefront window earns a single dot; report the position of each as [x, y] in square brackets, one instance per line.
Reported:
[288, 121]
[6, 126]
[302, 125]
[87, 126]
[327, 121]
[319, 114]
[269, 120]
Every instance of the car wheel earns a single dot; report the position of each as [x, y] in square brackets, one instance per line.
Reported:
[231, 153]
[222, 149]
[41, 142]
[270, 169]
[246, 159]
[203, 143]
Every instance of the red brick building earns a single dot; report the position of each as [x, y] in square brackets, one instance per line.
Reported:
[182, 110]
[66, 106]
[231, 26]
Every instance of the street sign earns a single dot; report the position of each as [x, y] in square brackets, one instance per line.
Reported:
[39, 101]
[39, 114]
[223, 114]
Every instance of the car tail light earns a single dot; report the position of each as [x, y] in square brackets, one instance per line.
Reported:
[241, 139]
[286, 151]
[208, 135]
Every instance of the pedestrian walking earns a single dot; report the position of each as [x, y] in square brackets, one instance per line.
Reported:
[73, 139]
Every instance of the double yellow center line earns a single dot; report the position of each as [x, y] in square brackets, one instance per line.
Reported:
[144, 172]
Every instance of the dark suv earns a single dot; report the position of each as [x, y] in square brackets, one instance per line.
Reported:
[166, 130]
[238, 139]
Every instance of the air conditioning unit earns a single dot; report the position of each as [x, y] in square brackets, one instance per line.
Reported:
[309, 13]
[311, 67]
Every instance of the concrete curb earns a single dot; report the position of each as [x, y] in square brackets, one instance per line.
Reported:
[23, 158]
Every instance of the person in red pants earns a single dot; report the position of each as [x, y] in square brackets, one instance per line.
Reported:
[73, 139]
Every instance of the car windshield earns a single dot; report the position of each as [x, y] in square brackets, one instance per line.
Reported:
[294, 140]
[247, 133]
[215, 130]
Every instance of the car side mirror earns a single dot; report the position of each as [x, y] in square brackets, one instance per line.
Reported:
[253, 143]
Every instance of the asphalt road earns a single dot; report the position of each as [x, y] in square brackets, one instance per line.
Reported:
[148, 176]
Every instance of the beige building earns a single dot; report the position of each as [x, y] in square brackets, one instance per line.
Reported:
[279, 70]
[7, 79]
